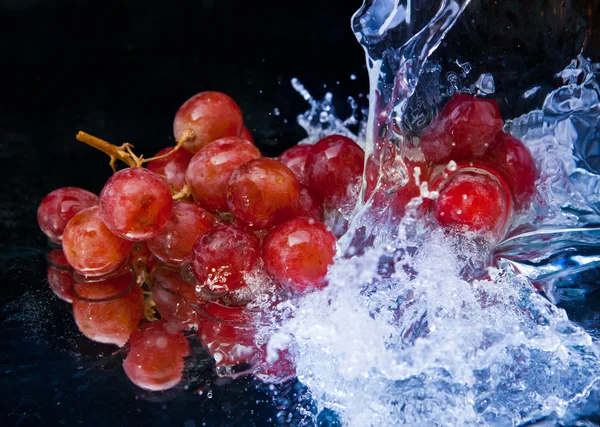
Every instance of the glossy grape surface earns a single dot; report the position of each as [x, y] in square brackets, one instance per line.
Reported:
[136, 203]
[210, 169]
[211, 115]
[59, 206]
[90, 247]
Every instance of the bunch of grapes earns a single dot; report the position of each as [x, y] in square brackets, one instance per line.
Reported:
[210, 236]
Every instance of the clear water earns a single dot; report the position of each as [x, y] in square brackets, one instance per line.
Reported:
[399, 337]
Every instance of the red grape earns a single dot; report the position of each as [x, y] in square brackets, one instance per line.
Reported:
[298, 252]
[516, 165]
[136, 203]
[475, 200]
[334, 170]
[211, 115]
[174, 297]
[223, 256]
[396, 197]
[156, 356]
[246, 135]
[59, 275]
[210, 169]
[90, 247]
[228, 333]
[173, 244]
[281, 370]
[262, 193]
[307, 205]
[172, 167]
[108, 310]
[295, 159]
[59, 206]
[465, 128]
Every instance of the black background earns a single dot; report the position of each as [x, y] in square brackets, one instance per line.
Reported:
[119, 70]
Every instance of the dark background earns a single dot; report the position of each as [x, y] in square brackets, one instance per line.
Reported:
[119, 70]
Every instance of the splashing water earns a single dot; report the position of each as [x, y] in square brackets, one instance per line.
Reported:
[399, 337]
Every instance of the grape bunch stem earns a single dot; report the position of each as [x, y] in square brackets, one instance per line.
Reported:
[124, 152]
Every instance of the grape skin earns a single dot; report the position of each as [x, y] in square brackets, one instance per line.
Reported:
[108, 310]
[90, 247]
[136, 203]
[262, 193]
[59, 206]
[209, 170]
[172, 167]
[156, 356]
[173, 244]
[211, 115]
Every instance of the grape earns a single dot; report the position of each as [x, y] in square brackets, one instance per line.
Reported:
[156, 356]
[465, 128]
[281, 370]
[223, 256]
[228, 334]
[334, 170]
[298, 252]
[59, 206]
[211, 115]
[262, 193]
[59, 275]
[473, 200]
[173, 244]
[108, 310]
[210, 169]
[246, 135]
[174, 297]
[295, 159]
[90, 247]
[172, 167]
[307, 205]
[397, 197]
[516, 165]
[136, 203]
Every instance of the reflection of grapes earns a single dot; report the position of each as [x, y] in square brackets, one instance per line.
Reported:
[228, 333]
[108, 310]
[174, 297]
[155, 358]
[60, 275]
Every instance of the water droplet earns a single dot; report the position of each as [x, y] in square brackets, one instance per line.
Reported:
[485, 84]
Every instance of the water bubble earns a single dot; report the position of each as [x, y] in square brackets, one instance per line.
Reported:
[485, 84]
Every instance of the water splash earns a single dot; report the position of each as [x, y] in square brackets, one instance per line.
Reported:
[399, 337]
[320, 120]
